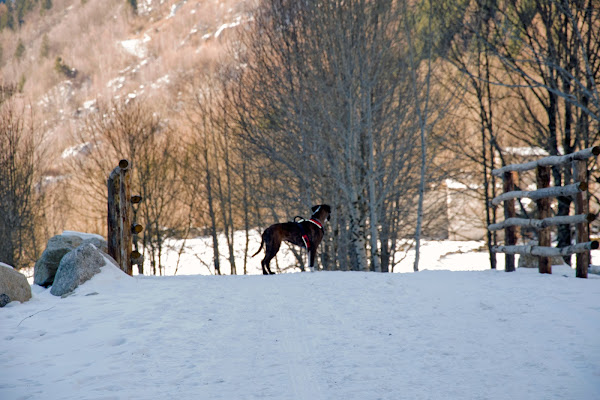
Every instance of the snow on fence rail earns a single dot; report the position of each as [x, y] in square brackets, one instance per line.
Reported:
[542, 197]
[543, 223]
[568, 190]
[550, 161]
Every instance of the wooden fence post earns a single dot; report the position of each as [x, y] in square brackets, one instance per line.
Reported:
[114, 215]
[543, 206]
[119, 216]
[581, 207]
[510, 234]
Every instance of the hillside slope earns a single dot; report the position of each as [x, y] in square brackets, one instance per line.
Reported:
[80, 57]
[327, 335]
[80, 51]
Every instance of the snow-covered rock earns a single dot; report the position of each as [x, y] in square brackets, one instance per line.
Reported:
[77, 267]
[59, 245]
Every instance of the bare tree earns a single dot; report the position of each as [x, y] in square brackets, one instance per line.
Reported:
[531, 69]
[132, 130]
[21, 185]
[324, 100]
[421, 97]
[548, 54]
[199, 165]
[469, 54]
[551, 59]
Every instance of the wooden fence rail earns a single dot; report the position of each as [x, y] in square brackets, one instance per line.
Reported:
[568, 190]
[548, 251]
[544, 222]
[550, 161]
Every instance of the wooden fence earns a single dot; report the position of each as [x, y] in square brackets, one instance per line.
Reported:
[121, 226]
[544, 222]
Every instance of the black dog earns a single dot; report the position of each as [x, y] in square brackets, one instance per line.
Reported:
[304, 233]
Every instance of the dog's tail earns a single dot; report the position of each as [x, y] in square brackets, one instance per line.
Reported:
[262, 241]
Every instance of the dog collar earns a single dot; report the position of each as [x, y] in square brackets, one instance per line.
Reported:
[316, 222]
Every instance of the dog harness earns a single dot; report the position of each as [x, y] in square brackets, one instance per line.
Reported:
[305, 239]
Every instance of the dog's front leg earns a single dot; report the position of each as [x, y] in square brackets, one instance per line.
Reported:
[311, 260]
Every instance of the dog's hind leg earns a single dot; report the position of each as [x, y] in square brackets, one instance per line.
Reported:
[271, 250]
[266, 269]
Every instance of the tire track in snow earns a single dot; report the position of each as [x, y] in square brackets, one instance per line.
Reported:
[291, 307]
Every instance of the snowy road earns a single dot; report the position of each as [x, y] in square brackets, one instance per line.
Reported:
[326, 335]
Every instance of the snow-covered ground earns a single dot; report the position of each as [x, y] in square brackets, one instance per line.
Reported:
[437, 334]
[196, 257]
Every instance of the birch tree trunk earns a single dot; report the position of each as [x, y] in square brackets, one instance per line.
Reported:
[422, 115]
[358, 239]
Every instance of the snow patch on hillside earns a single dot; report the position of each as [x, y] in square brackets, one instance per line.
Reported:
[145, 7]
[175, 7]
[82, 149]
[137, 47]
[227, 26]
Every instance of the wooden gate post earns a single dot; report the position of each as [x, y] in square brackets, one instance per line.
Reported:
[510, 234]
[119, 216]
[582, 207]
[543, 206]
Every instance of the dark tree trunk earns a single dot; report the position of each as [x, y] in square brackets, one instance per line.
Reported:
[543, 205]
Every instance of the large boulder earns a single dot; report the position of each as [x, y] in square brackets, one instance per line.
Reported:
[77, 267]
[13, 286]
[59, 245]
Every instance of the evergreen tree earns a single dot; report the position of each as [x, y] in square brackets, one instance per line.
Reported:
[46, 5]
[45, 47]
[6, 16]
[133, 4]
[21, 85]
[20, 51]
[64, 69]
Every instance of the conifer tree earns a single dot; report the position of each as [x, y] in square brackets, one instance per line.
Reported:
[20, 51]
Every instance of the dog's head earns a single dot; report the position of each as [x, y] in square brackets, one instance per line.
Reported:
[321, 212]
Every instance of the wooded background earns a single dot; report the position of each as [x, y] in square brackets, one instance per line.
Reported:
[378, 108]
